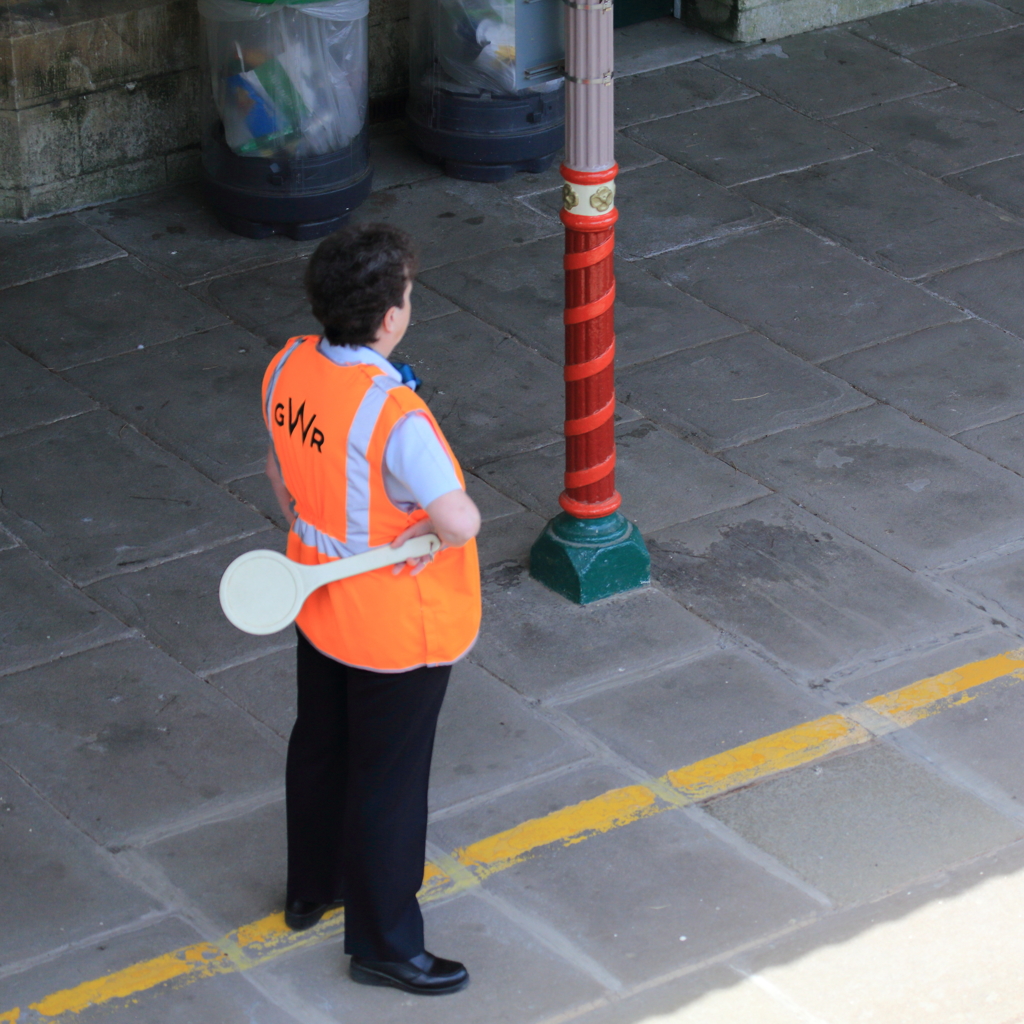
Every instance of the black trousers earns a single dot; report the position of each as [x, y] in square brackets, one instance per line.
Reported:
[356, 789]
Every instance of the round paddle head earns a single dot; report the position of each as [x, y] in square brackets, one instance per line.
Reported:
[261, 592]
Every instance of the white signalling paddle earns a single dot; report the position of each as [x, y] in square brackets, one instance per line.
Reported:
[262, 591]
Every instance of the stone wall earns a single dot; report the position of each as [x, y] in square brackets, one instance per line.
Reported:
[98, 99]
[748, 21]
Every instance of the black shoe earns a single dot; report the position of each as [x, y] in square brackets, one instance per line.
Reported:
[425, 975]
[302, 914]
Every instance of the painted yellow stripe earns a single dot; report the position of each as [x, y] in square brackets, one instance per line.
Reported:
[203, 960]
[263, 940]
[929, 696]
[789, 748]
[567, 826]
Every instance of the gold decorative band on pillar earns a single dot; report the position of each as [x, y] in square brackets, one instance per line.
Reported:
[587, 194]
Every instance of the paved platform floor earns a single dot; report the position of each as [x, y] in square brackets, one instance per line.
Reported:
[783, 784]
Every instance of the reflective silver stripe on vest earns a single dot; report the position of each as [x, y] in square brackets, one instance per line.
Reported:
[323, 542]
[273, 380]
[357, 469]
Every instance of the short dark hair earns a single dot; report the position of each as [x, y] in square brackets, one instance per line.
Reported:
[355, 276]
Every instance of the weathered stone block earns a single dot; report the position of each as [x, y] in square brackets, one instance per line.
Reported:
[69, 55]
[743, 21]
[388, 31]
[136, 121]
[97, 187]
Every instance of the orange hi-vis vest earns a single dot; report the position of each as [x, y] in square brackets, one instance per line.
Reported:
[329, 426]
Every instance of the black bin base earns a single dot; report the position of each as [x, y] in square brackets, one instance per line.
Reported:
[489, 138]
[303, 198]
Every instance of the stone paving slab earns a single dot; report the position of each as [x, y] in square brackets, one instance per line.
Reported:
[263, 688]
[925, 25]
[808, 295]
[1002, 442]
[522, 291]
[234, 870]
[940, 132]
[33, 250]
[523, 637]
[987, 289]
[989, 64]
[395, 160]
[665, 207]
[945, 948]
[258, 296]
[58, 887]
[491, 395]
[864, 822]
[514, 978]
[729, 392]
[826, 73]
[452, 220]
[135, 742]
[936, 376]
[811, 597]
[174, 231]
[89, 314]
[32, 395]
[720, 700]
[906, 490]
[708, 898]
[197, 396]
[488, 738]
[713, 995]
[893, 216]
[744, 141]
[42, 617]
[663, 480]
[136, 504]
[228, 999]
[509, 539]
[997, 579]
[673, 89]
[491, 503]
[996, 183]
[175, 604]
[256, 491]
[873, 679]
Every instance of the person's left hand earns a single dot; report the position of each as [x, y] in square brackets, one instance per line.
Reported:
[416, 565]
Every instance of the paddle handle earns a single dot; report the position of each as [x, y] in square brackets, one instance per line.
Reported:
[314, 576]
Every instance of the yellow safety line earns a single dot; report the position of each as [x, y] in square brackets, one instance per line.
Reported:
[767, 756]
[259, 941]
[930, 696]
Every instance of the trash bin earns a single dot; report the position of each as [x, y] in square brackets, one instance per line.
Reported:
[486, 89]
[284, 144]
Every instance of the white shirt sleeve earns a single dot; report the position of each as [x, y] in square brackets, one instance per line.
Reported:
[417, 468]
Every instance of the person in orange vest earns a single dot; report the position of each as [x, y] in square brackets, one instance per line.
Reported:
[357, 460]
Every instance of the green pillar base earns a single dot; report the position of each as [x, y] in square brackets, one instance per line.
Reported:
[587, 559]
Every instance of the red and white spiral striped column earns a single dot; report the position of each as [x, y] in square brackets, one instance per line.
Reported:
[589, 551]
[589, 216]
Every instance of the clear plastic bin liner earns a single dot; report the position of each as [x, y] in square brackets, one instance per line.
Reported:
[287, 78]
[475, 44]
